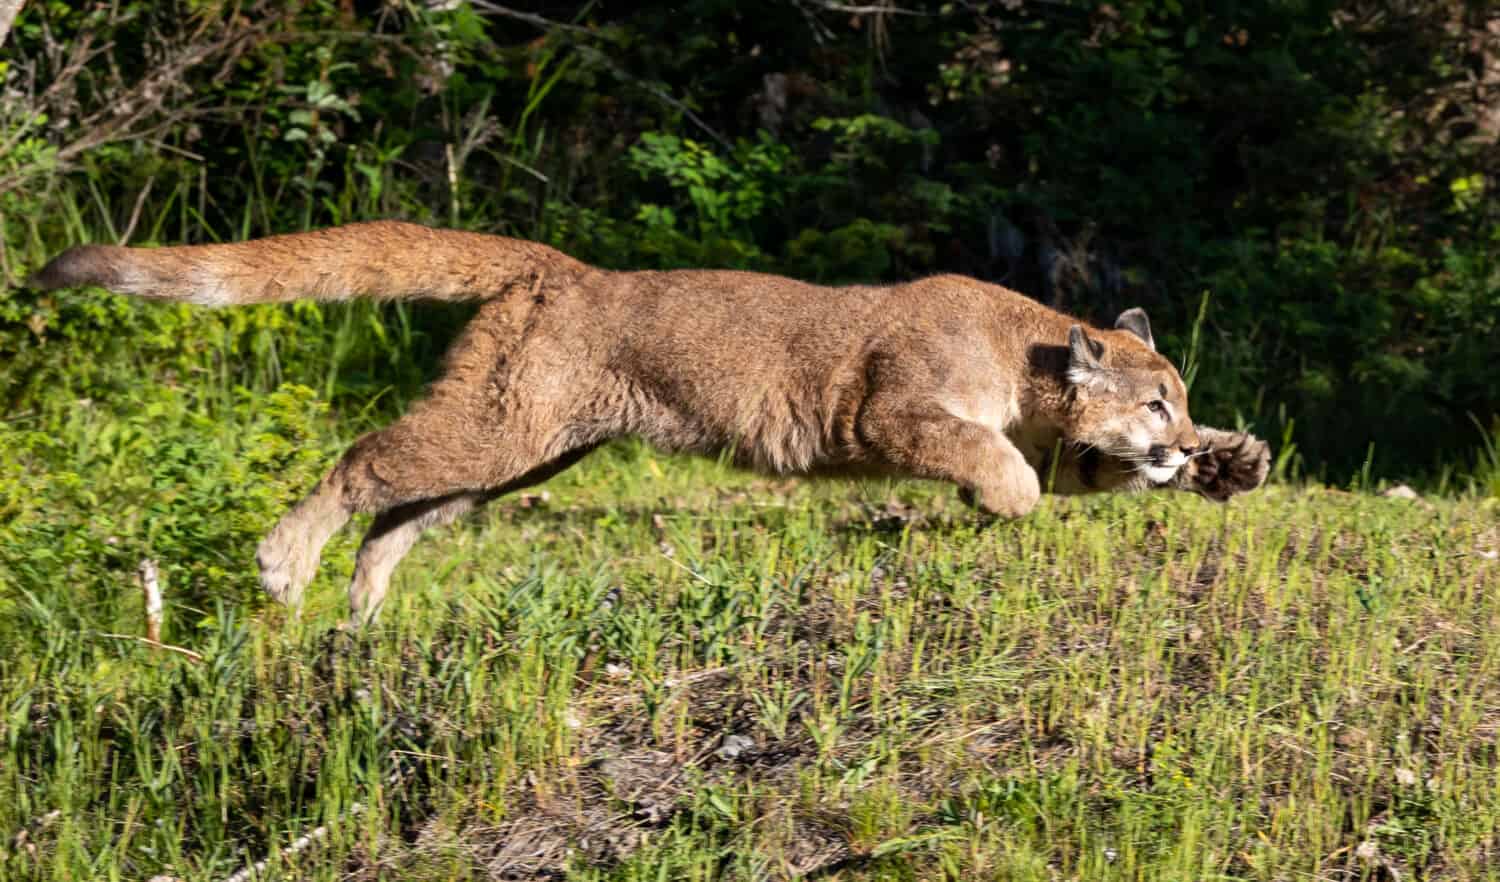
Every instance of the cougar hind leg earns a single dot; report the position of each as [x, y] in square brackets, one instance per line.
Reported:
[502, 416]
[427, 468]
[389, 538]
[401, 464]
[396, 530]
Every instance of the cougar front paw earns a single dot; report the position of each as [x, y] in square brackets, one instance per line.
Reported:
[1010, 495]
[1230, 463]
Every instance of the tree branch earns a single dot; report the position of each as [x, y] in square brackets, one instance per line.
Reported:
[546, 24]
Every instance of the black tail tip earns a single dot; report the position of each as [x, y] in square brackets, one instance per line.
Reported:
[78, 266]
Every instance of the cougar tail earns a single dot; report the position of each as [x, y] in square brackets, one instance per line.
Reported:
[382, 260]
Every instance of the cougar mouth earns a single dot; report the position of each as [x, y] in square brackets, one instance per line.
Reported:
[1162, 463]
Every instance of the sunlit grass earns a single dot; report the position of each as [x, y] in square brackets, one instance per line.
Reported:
[665, 669]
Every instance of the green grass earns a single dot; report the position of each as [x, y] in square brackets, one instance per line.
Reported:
[668, 670]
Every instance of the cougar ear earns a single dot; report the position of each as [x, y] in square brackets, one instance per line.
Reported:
[1084, 368]
[1135, 321]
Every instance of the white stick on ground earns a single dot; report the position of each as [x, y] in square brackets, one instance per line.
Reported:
[301, 844]
[151, 584]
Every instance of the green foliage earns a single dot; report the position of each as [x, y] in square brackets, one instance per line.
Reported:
[1323, 169]
[724, 194]
[857, 251]
[160, 477]
[717, 198]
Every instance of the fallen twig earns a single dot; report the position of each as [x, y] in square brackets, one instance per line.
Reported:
[157, 644]
[300, 844]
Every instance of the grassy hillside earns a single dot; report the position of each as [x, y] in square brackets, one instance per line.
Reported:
[661, 669]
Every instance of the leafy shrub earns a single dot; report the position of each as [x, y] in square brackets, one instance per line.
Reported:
[155, 476]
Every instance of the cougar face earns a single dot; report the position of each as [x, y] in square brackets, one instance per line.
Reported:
[1130, 403]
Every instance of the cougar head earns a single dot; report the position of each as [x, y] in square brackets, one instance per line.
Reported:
[1128, 402]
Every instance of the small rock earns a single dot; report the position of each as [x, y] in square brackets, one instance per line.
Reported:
[1400, 491]
[1368, 850]
[1406, 777]
[733, 746]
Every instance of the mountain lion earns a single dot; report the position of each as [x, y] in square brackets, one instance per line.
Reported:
[946, 378]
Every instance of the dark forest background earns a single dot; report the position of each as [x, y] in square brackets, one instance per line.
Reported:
[1301, 194]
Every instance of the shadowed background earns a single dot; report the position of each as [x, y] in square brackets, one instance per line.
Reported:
[1315, 180]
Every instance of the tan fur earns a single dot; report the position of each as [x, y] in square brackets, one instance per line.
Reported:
[945, 378]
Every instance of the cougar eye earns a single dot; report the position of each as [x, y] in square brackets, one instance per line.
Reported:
[1157, 407]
